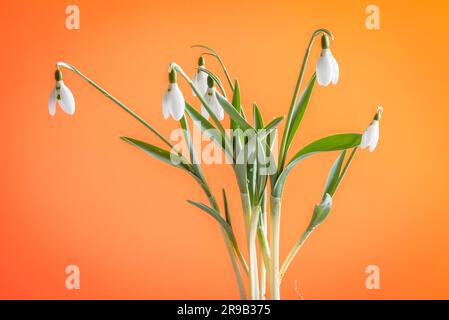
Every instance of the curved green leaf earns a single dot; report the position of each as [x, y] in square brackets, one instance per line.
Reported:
[334, 174]
[258, 120]
[205, 126]
[233, 113]
[214, 214]
[226, 227]
[299, 110]
[270, 127]
[158, 153]
[226, 208]
[330, 143]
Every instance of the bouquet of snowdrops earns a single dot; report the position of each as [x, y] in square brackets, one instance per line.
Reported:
[248, 145]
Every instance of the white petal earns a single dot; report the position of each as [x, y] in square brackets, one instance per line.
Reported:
[200, 82]
[335, 71]
[165, 107]
[195, 83]
[213, 103]
[176, 102]
[366, 138]
[52, 103]
[375, 136]
[204, 112]
[220, 113]
[324, 68]
[217, 108]
[67, 101]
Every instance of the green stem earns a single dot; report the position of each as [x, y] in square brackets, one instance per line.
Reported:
[275, 219]
[264, 248]
[309, 230]
[215, 54]
[253, 270]
[284, 147]
[293, 253]
[116, 101]
[246, 205]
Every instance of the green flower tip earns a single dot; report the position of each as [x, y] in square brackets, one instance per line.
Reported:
[201, 61]
[378, 114]
[172, 77]
[325, 42]
[210, 82]
[58, 75]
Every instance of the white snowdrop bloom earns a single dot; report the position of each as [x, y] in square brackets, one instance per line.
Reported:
[370, 136]
[214, 105]
[173, 102]
[62, 95]
[327, 69]
[200, 78]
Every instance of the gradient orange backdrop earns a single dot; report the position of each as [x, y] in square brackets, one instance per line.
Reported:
[71, 192]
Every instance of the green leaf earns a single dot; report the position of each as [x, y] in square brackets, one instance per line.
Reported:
[270, 127]
[158, 153]
[233, 113]
[299, 110]
[205, 126]
[214, 214]
[258, 120]
[226, 207]
[330, 143]
[334, 174]
[236, 96]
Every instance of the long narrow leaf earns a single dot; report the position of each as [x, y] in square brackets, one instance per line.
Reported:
[270, 127]
[299, 110]
[334, 174]
[226, 207]
[258, 120]
[205, 126]
[214, 214]
[330, 143]
[158, 153]
[232, 112]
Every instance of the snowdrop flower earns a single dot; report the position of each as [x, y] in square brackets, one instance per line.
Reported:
[370, 136]
[63, 95]
[212, 101]
[173, 101]
[327, 70]
[200, 78]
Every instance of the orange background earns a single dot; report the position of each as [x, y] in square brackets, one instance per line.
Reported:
[73, 193]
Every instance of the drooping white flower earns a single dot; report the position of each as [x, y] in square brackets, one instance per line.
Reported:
[370, 136]
[62, 95]
[214, 105]
[200, 78]
[173, 102]
[327, 69]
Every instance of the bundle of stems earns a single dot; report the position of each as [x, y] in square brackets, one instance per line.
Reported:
[247, 147]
